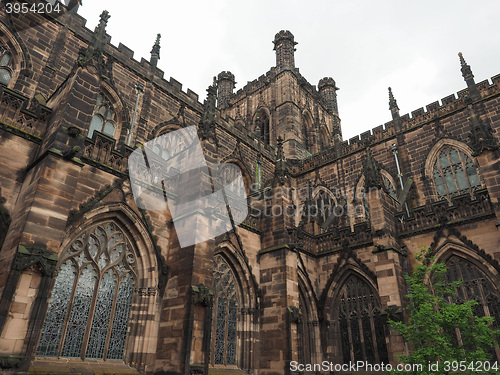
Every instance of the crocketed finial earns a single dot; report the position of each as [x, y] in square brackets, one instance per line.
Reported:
[393, 105]
[155, 52]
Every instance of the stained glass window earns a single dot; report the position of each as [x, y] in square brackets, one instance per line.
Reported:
[5, 66]
[225, 315]
[89, 308]
[474, 286]
[360, 325]
[103, 119]
[454, 173]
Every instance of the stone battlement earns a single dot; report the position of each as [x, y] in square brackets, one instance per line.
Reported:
[407, 122]
[143, 68]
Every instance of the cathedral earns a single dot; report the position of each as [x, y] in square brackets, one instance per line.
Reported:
[94, 281]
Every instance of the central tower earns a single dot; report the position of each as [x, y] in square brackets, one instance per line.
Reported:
[282, 103]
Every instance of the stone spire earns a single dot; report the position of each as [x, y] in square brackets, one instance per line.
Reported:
[284, 45]
[469, 78]
[393, 105]
[225, 87]
[155, 52]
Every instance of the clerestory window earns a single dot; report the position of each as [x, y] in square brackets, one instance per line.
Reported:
[262, 126]
[454, 173]
[89, 308]
[326, 207]
[104, 117]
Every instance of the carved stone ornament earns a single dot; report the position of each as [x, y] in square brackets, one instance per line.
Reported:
[27, 257]
[202, 295]
[373, 178]
[207, 123]
[294, 314]
[481, 136]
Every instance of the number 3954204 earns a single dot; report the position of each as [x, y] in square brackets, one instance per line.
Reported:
[42, 7]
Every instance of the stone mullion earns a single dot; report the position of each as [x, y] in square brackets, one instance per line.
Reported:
[464, 168]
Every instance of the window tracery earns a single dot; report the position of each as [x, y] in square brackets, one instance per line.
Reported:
[104, 117]
[6, 68]
[325, 206]
[224, 315]
[262, 126]
[360, 324]
[90, 305]
[474, 286]
[454, 173]
[389, 187]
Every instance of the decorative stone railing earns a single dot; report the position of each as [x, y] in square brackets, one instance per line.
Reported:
[14, 113]
[461, 209]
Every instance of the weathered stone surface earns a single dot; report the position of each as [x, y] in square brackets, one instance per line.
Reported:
[290, 270]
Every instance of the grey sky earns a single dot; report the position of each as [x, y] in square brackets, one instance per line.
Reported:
[365, 46]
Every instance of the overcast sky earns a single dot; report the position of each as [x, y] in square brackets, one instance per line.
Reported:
[365, 46]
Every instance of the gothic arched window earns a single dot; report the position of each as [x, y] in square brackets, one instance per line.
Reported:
[389, 187]
[224, 315]
[5, 66]
[304, 332]
[454, 173]
[104, 117]
[474, 286]
[360, 324]
[326, 207]
[262, 126]
[89, 309]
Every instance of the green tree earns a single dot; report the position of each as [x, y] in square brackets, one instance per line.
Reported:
[434, 321]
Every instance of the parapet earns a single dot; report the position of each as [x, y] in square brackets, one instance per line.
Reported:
[447, 106]
[125, 56]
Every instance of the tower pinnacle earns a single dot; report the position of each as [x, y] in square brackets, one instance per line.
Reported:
[469, 78]
[393, 105]
[328, 91]
[155, 52]
[284, 45]
[225, 87]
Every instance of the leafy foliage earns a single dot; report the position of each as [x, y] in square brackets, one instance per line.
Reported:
[439, 330]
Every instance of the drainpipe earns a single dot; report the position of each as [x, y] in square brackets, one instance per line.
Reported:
[394, 149]
[140, 89]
